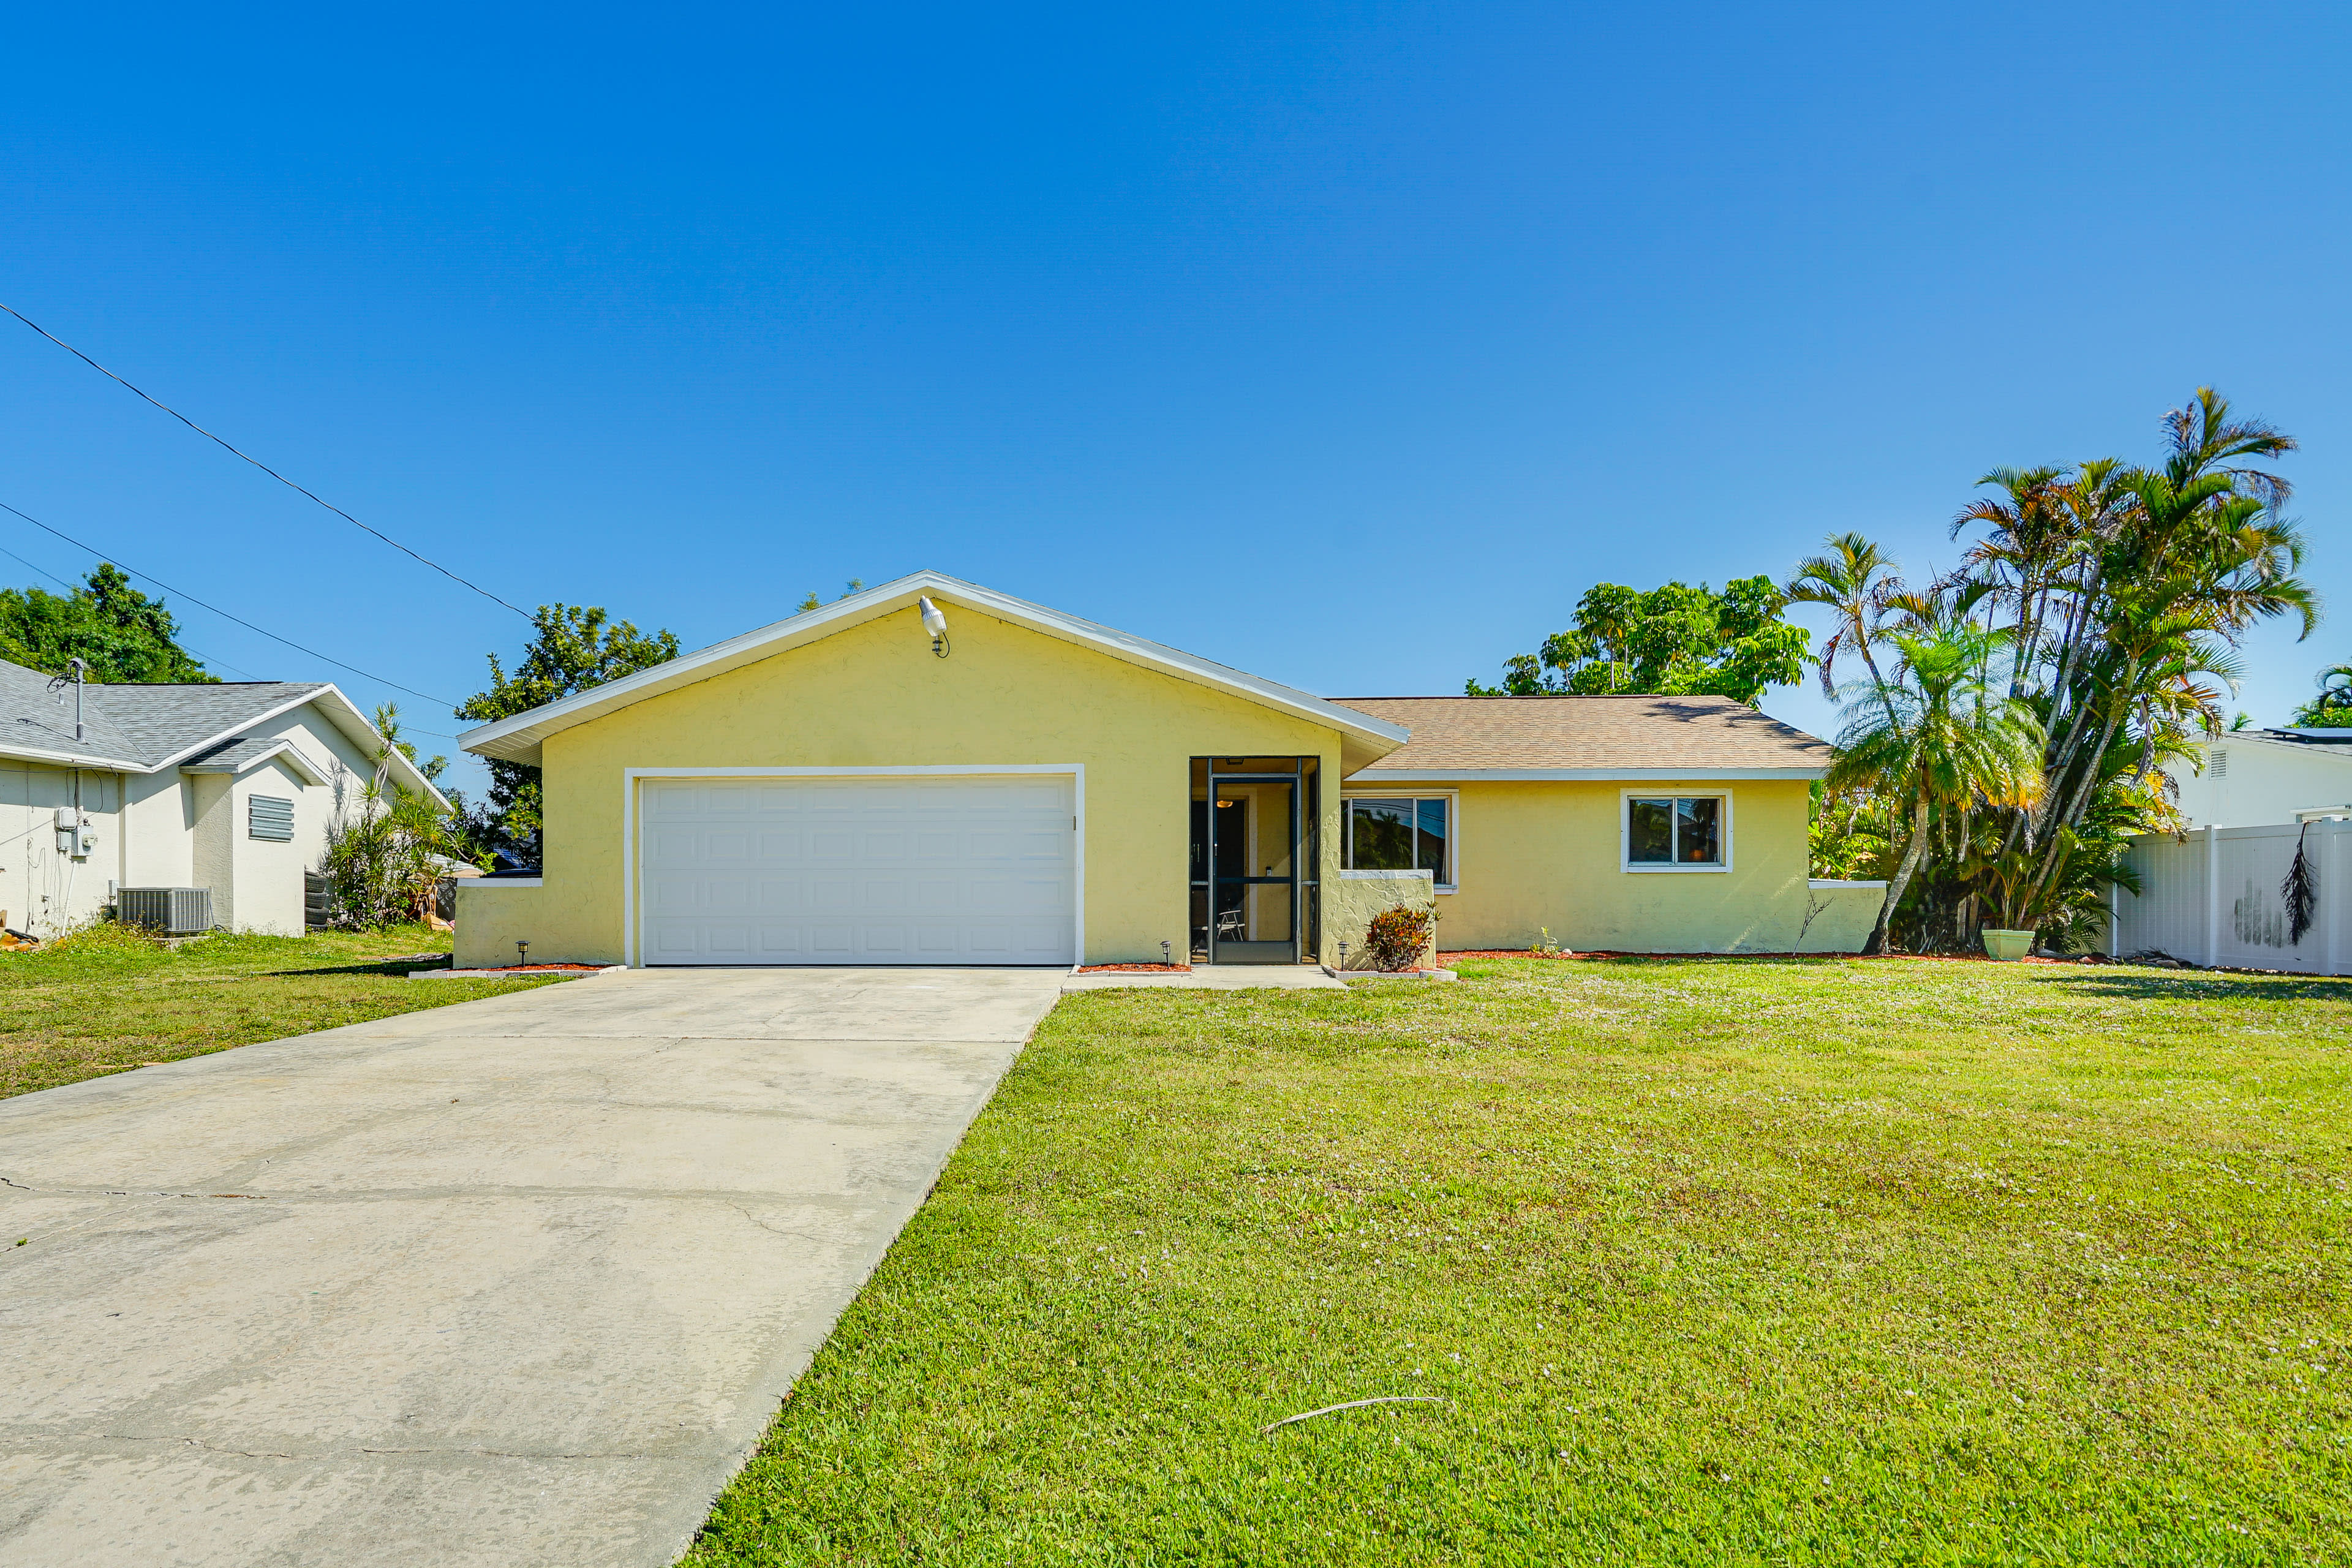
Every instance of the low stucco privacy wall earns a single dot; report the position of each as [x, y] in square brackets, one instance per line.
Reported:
[1350, 903]
[874, 696]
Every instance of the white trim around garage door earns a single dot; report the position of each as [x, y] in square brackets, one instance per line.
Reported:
[1076, 771]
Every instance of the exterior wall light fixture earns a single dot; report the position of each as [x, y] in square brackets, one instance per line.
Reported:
[935, 624]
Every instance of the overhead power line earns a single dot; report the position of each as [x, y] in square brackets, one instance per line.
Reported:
[265, 468]
[216, 610]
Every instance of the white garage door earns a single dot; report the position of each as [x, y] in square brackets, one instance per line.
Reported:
[859, 870]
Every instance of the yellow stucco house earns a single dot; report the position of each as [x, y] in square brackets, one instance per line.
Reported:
[929, 772]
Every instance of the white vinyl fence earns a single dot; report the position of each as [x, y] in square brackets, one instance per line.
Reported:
[2214, 897]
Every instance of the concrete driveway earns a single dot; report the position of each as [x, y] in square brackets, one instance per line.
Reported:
[518, 1282]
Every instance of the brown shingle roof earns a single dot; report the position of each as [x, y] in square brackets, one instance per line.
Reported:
[1595, 735]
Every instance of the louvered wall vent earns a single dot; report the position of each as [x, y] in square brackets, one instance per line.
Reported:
[2221, 763]
[267, 817]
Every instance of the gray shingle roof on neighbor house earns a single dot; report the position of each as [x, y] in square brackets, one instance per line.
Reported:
[166, 721]
[1598, 735]
[35, 719]
[136, 728]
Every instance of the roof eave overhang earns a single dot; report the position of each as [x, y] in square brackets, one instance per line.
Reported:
[519, 739]
[338, 708]
[2338, 750]
[1547, 776]
[74, 760]
[345, 716]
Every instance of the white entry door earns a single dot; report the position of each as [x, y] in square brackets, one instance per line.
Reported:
[860, 870]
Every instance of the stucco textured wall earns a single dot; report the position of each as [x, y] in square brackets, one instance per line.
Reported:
[269, 874]
[211, 797]
[874, 696]
[1350, 904]
[1537, 856]
[42, 891]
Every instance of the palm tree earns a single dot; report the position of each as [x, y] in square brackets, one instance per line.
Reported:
[2021, 559]
[1857, 579]
[1938, 736]
[2333, 706]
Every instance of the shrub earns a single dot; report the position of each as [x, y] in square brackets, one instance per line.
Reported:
[1398, 937]
[383, 860]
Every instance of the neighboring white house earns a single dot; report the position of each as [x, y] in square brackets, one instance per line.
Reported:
[2255, 778]
[226, 787]
[2218, 897]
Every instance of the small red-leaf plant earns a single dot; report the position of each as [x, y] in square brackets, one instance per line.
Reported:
[1398, 937]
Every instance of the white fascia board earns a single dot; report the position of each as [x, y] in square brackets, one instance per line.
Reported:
[2332, 751]
[344, 715]
[1548, 775]
[517, 739]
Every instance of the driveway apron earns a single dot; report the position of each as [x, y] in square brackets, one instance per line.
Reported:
[517, 1281]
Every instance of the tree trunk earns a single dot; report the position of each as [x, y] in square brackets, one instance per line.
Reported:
[2072, 810]
[1911, 853]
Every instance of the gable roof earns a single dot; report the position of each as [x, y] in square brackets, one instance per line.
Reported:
[1626, 737]
[1364, 738]
[170, 722]
[136, 728]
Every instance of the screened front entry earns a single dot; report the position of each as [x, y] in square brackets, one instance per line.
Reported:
[1252, 884]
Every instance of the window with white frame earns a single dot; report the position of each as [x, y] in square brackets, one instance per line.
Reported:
[1399, 833]
[1679, 832]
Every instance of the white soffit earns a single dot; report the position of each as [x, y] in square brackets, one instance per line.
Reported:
[1364, 740]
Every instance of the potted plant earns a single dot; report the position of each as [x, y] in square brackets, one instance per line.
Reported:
[2008, 946]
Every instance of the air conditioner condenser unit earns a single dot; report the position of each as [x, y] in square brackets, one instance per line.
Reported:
[174, 911]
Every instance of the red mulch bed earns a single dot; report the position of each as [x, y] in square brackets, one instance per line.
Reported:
[1449, 958]
[1135, 969]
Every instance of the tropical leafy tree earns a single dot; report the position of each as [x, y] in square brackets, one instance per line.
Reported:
[1857, 579]
[387, 724]
[572, 647]
[386, 848]
[2121, 596]
[1674, 640]
[1847, 835]
[2332, 709]
[812, 601]
[1937, 736]
[118, 633]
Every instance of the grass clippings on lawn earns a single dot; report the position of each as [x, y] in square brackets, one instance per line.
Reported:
[110, 1000]
[1764, 1262]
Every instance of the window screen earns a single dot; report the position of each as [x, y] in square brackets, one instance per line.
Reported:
[1674, 830]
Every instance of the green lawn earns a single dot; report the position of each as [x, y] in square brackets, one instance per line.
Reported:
[1714, 1262]
[108, 1001]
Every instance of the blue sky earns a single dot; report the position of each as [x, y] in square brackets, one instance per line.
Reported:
[1347, 344]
